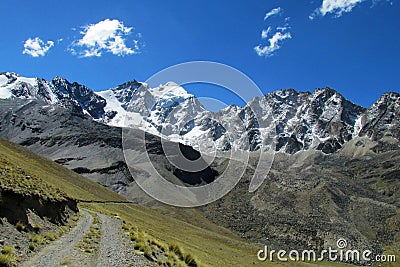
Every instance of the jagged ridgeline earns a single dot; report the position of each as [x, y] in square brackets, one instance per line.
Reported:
[336, 173]
[322, 120]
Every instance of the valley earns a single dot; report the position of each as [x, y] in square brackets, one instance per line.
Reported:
[334, 174]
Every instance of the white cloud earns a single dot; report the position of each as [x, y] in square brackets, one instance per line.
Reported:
[273, 36]
[376, 2]
[105, 36]
[274, 43]
[36, 47]
[282, 28]
[264, 33]
[273, 12]
[336, 7]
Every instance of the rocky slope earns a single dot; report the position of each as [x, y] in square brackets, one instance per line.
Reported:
[310, 200]
[72, 138]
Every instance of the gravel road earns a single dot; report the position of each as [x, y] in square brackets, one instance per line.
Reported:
[56, 251]
[114, 250]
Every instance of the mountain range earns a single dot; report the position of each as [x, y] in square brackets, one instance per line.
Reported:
[322, 120]
[335, 174]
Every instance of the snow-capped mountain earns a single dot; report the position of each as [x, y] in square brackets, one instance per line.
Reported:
[13, 85]
[54, 92]
[322, 120]
[160, 110]
[382, 118]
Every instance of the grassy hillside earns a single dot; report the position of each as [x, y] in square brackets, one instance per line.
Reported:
[16, 179]
[210, 244]
[54, 175]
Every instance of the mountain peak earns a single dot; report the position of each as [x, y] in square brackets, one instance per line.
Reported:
[386, 99]
[381, 119]
[7, 73]
[170, 90]
[322, 120]
[14, 85]
[130, 85]
[390, 96]
[326, 91]
[171, 83]
[59, 79]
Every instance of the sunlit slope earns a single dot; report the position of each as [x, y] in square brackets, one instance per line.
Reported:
[74, 185]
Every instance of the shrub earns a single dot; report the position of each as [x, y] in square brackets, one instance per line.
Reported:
[133, 236]
[8, 250]
[148, 254]
[20, 226]
[62, 229]
[142, 246]
[190, 260]
[6, 259]
[38, 239]
[158, 244]
[7, 256]
[75, 218]
[176, 249]
[51, 236]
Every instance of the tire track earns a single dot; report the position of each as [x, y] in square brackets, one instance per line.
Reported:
[114, 250]
[56, 251]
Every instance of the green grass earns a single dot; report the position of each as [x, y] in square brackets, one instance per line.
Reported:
[72, 222]
[6, 260]
[36, 228]
[7, 250]
[90, 241]
[50, 236]
[157, 250]
[36, 239]
[18, 180]
[7, 256]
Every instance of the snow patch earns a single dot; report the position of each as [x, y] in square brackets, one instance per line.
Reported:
[357, 127]
[113, 105]
[3, 80]
[168, 90]
[122, 117]
[31, 81]
[5, 91]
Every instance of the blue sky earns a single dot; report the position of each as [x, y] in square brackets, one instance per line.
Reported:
[349, 45]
